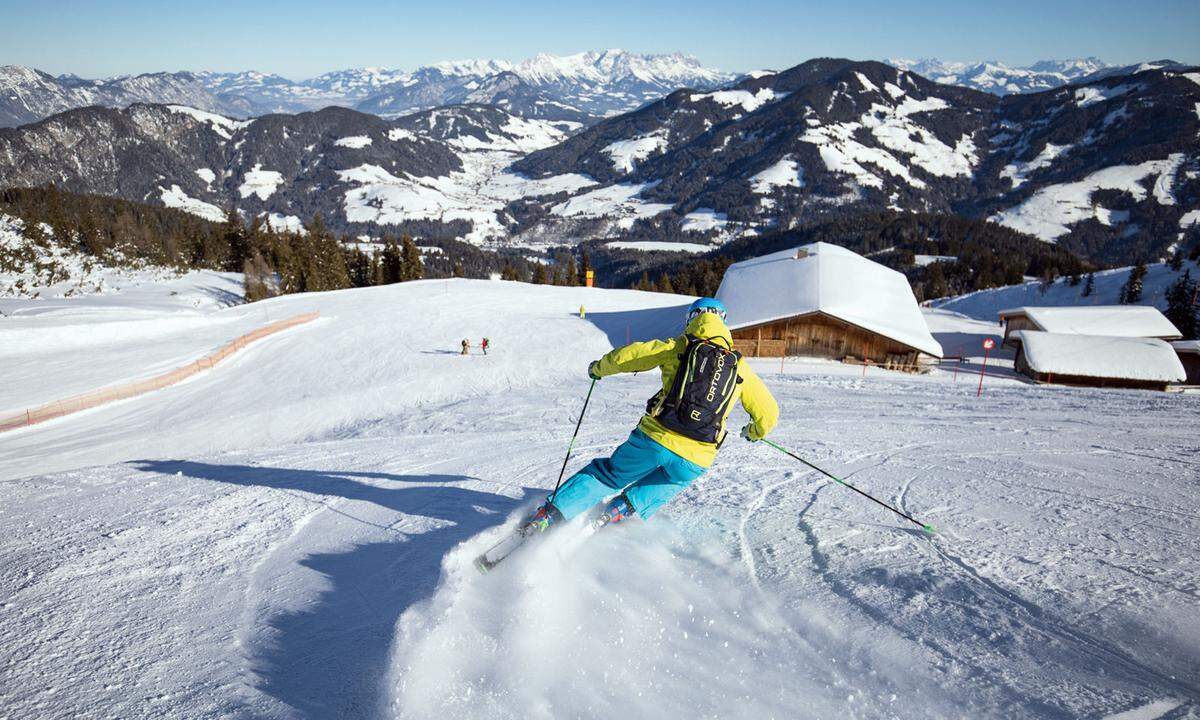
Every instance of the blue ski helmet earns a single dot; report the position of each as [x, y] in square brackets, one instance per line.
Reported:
[706, 305]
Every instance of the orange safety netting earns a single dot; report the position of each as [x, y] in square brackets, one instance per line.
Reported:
[66, 406]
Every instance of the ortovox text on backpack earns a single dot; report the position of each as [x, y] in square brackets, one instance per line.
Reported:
[704, 385]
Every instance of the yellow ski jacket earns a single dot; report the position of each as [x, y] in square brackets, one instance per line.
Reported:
[664, 355]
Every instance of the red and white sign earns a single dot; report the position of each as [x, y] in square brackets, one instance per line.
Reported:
[988, 343]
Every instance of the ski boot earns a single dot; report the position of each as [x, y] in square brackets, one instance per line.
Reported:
[541, 520]
[544, 518]
[617, 510]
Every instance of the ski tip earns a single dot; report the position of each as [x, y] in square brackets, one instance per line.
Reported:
[482, 565]
[929, 530]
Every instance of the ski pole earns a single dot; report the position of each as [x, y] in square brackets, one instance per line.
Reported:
[572, 445]
[906, 516]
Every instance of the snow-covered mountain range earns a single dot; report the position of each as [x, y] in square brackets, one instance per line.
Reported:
[999, 78]
[593, 84]
[28, 95]
[440, 172]
[1110, 167]
[1106, 167]
[579, 88]
[573, 88]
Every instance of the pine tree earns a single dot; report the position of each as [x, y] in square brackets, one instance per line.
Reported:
[664, 284]
[234, 235]
[1176, 262]
[335, 275]
[257, 278]
[359, 265]
[411, 267]
[377, 274]
[585, 264]
[1131, 291]
[1181, 306]
[644, 283]
[571, 271]
[540, 277]
[1090, 286]
[935, 284]
[508, 272]
[392, 263]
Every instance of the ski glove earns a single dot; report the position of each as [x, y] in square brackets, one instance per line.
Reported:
[746, 433]
[594, 370]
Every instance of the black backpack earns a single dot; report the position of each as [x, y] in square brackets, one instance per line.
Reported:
[704, 386]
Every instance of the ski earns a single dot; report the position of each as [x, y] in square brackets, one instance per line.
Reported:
[496, 554]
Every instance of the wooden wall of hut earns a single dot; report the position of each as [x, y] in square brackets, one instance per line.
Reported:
[1191, 365]
[820, 335]
[1015, 323]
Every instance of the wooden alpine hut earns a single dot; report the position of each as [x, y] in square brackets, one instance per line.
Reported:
[822, 300]
[1098, 360]
[1108, 320]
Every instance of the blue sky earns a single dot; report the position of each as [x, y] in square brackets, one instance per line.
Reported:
[302, 38]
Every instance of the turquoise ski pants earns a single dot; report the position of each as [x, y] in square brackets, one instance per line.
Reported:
[649, 474]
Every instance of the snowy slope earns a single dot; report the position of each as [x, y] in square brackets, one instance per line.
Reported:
[985, 304]
[290, 536]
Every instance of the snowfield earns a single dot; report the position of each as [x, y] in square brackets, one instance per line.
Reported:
[175, 197]
[626, 154]
[1050, 211]
[262, 183]
[478, 192]
[290, 534]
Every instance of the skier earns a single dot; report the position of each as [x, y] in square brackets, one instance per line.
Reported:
[484, 345]
[466, 346]
[683, 427]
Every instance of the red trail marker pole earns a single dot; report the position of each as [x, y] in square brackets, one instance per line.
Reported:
[988, 344]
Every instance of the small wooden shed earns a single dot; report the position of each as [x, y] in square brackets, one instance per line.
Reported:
[822, 300]
[1097, 360]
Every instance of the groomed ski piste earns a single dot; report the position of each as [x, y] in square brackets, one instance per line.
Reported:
[290, 534]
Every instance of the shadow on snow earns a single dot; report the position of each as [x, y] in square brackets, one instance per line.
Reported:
[627, 326]
[329, 658]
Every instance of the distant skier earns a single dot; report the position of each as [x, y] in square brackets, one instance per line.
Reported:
[677, 439]
[484, 345]
[466, 346]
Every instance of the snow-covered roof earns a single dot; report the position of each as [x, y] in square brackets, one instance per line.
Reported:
[828, 279]
[1186, 346]
[1101, 356]
[1113, 320]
